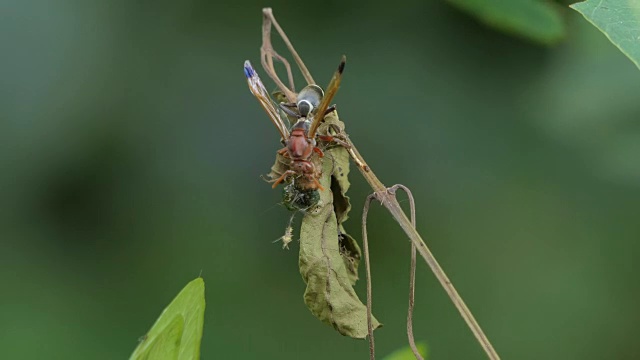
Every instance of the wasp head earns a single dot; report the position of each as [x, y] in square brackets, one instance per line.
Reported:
[308, 99]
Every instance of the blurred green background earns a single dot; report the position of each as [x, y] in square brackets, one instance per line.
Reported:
[131, 154]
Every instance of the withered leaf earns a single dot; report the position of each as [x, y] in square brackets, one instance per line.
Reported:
[351, 254]
[339, 157]
[329, 257]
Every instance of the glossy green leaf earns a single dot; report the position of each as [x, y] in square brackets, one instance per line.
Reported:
[407, 354]
[619, 20]
[177, 333]
[538, 20]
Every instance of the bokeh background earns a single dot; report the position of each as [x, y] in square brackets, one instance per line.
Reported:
[131, 154]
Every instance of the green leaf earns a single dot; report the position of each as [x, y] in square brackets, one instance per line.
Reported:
[329, 257]
[177, 333]
[619, 20]
[166, 344]
[538, 20]
[407, 354]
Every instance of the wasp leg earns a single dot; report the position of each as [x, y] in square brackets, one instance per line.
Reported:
[284, 152]
[318, 184]
[318, 151]
[334, 139]
[338, 139]
[329, 110]
[282, 178]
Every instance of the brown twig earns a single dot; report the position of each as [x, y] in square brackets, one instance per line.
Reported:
[412, 272]
[388, 200]
[268, 17]
[367, 265]
[267, 53]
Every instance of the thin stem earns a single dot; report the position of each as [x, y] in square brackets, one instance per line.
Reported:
[389, 201]
[267, 53]
[268, 14]
[412, 272]
[412, 276]
[365, 244]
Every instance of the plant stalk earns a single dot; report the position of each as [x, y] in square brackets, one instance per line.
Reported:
[389, 201]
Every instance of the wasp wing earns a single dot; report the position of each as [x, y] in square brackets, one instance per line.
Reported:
[331, 91]
[258, 90]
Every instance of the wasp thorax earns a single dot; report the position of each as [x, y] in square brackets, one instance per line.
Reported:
[302, 124]
[308, 99]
